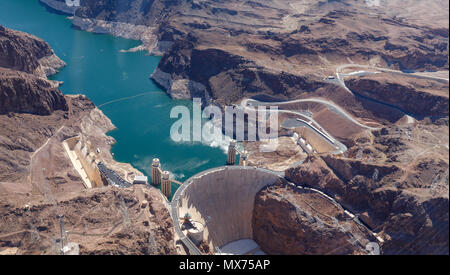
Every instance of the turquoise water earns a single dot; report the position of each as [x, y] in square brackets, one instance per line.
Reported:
[97, 68]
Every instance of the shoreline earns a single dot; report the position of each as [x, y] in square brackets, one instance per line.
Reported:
[149, 43]
[96, 118]
[58, 6]
[145, 34]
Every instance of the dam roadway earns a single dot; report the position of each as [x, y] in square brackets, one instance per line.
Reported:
[222, 199]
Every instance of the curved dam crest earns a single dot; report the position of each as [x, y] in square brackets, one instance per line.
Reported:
[223, 199]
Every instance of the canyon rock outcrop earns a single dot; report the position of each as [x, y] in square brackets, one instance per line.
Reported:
[24, 52]
[25, 62]
[264, 46]
[405, 95]
[102, 221]
[294, 221]
[25, 93]
[38, 180]
[404, 199]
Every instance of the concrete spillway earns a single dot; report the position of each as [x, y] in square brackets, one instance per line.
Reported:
[223, 200]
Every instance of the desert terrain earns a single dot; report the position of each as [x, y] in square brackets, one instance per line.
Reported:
[38, 179]
[362, 94]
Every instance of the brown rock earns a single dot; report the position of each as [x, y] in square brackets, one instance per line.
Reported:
[25, 93]
[102, 221]
[432, 95]
[288, 220]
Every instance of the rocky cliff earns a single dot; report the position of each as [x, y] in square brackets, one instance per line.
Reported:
[137, 12]
[292, 221]
[394, 190]
[25, 62]
[24, 52]
[390, 89]
[223, 76]
[38, 179]
[265, 46]
[105, 221]
[275, 48]
[25, 93]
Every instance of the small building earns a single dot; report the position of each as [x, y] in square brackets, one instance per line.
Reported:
[140, 180]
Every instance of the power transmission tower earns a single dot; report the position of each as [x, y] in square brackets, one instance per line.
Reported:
[61, 228]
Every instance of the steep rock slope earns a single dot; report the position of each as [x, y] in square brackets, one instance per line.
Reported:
[397, 186]
[138, 12]
[25, 61]
[24, 52]
[270, 44]
[28, 99]
[292, 221]
[390, 89]
[102, 221]
[25, 93]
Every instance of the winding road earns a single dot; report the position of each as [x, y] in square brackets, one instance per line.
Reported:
[331, 105]
[416, 75]
[307, 121]
[341, 82]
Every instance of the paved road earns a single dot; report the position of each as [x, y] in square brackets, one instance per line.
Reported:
[246, 103]
[340, 76]
[112, 176]
[193, 249]
[302, 118]
[417, 75]
[331, 105]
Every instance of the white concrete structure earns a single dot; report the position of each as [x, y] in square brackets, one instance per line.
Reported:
[140, 180]
[83, 160]
[225, 198]
[241, 247]
[196, 233]
[71, 249]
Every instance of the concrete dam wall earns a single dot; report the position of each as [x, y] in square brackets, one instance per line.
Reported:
[223, 200]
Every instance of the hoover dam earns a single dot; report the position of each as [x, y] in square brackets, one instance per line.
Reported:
[219, 205]
[223, 199]
[356, 161]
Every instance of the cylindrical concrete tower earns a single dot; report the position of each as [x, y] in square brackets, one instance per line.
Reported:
[156, 172]
[231, 160]
[166, 187]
